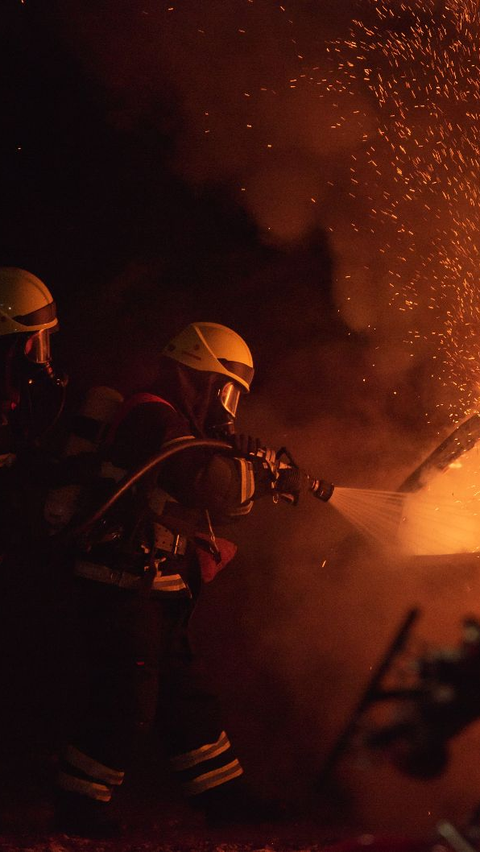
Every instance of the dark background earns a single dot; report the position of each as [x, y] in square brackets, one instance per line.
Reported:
[130, 250]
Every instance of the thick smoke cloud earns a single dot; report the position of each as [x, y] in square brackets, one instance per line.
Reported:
[260, 100]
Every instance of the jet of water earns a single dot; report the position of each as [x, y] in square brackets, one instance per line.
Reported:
[442, 517]
[376, 514]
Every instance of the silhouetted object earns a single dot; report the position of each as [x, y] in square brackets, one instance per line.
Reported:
[444, 700]
[373, 693]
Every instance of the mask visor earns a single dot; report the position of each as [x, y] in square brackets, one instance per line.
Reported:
[229, 397]
[37, 347]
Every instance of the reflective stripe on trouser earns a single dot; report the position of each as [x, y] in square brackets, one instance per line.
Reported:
[207, 766]
[84, 775]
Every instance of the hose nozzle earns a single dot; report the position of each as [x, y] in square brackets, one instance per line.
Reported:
[321, 489]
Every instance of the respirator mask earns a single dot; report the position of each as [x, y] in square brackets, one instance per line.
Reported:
[38, 352]
[38, 349]
[41, 388]
[220, 421]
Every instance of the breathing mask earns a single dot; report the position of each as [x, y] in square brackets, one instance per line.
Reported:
[223, 409]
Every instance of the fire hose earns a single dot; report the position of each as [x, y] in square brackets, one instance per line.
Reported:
[319, 488]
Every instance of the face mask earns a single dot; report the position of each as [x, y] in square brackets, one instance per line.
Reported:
[37, 351]
[221, 416]
[37, 347]
[229, 397]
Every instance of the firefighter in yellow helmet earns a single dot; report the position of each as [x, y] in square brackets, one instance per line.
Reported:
[30, 398]
[28, 385]
[138, 578]
[225, 358]
[31, 393]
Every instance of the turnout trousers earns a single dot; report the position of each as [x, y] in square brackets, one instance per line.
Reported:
[138, 668]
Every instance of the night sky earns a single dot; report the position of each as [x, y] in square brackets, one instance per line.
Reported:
[265, 166]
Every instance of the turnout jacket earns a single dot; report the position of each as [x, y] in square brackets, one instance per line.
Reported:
[166, 522]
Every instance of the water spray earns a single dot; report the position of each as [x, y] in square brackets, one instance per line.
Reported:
[376, 514]
[436, 510]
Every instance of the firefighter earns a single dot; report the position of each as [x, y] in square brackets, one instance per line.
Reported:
[31, 396]
[138, 576]
[27, 319]
[31, 393]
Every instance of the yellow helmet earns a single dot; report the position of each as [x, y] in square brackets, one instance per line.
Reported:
[213, 348]
[26, 304]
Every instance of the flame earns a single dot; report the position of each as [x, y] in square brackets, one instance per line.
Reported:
[444, 516]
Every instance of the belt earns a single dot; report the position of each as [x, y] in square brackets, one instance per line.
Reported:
[125, 580]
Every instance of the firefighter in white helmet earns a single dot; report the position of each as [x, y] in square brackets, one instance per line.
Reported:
[138, 577]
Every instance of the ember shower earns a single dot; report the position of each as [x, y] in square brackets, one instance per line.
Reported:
[420, 170]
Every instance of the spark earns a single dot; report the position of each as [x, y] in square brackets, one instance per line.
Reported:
[423, 162]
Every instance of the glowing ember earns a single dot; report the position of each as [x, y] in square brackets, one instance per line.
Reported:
[415, 182]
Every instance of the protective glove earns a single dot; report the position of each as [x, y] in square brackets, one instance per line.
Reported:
[291, 483]
[245, 445]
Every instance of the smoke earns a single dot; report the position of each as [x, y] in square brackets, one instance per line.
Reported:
[360, 122]
[320, 606]
[314, 120]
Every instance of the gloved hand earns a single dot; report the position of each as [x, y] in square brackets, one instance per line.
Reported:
[245, 445]
[291, 483]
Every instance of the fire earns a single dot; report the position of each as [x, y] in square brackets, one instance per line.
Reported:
[444, 516]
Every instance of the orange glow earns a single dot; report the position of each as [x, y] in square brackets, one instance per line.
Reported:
[444, 516]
